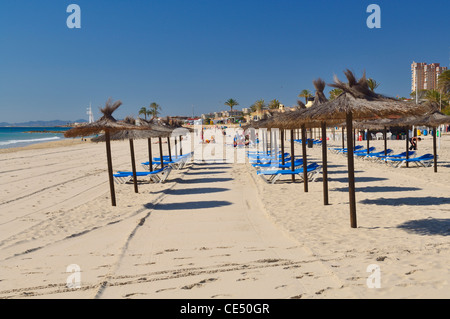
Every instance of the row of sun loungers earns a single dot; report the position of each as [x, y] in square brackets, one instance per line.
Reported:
[158, 174]
[394, 160]
[270, 167]
[315, 142]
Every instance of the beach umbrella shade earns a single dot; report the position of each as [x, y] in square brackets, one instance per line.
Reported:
[433, 119]
[108, 125]
[357, 101]
[160, 131]
[140, 132]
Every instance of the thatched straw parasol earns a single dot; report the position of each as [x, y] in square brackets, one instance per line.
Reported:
[161, 131]
[432, 119]
[358, 102]
[132, 135]
[107, 124]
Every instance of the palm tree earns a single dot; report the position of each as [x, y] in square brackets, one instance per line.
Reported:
[154, 109]
[231, 103]
[444, 85]
[335, 93]
[444, 82]
[143, 111]
[259, 105]
[306, 94]
[372, 84]
[422, 94]
[274, 104]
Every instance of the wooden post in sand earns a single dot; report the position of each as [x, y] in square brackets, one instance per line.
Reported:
[351, 172]
[282, 147]
[110, 170]
[133, 166]
[324, 164]
[161, 152]
[305, 164]
[150, 156]
[292, 155]
[434, 148]
[168, 147]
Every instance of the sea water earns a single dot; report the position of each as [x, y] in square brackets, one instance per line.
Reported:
[23, 136]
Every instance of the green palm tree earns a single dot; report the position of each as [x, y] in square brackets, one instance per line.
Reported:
[143, 111]
[306, 94]
[154, 109]
[372, 84]
[444, 82]
[274, 104]
[231, 103]
[335, 93]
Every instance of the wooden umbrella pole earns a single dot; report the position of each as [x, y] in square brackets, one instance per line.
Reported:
[181, 146]
[434, 149]
[351, 172]
[110, 170]
[270, 148]
[161, 152]
[133, 166]
[385, 141]
[343, 145]
[150, 156]
[292, 155]
[176, 147]
[324, 164]
[282, 148]
[368, 141]
[407, 150]
[168, 147]
[305, 164]
[354, 138]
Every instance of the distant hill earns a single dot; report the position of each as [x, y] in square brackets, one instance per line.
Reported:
[42, 123]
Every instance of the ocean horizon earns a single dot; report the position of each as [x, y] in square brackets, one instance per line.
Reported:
[11, 137]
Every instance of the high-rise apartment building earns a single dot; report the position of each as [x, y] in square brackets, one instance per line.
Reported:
[425, 76]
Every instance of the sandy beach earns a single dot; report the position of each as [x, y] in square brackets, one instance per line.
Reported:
[217, 230]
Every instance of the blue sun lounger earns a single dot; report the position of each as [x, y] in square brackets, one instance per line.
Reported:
[271, 176]
[378, 155]
[266, 156]
[425, 160]
[364, 154]
[341, 150]
[277, 165]
[157, 176]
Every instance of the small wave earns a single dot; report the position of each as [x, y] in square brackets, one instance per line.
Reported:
[9, 142]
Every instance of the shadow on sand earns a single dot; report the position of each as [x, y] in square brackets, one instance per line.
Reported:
[202, 180]
[188, 205]
[194, 191]
[429, 226]
[409, 201]
[204, 173]
[358, 179]
[379, 189]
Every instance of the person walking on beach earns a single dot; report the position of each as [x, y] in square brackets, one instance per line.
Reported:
[413, 142]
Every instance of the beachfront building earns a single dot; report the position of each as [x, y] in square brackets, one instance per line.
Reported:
[222, 117]
[425, 76]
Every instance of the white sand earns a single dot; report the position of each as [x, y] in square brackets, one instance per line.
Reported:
[218, 231]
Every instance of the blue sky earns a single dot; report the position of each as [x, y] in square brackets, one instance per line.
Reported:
[186, 54]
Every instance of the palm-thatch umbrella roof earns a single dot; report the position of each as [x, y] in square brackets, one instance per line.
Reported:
[356, 101]
[107, 124]
[359, 102]
[432, 119]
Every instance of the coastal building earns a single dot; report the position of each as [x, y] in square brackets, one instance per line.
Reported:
[425, 76]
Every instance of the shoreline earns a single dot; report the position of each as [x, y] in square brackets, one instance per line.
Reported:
[44, 145]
